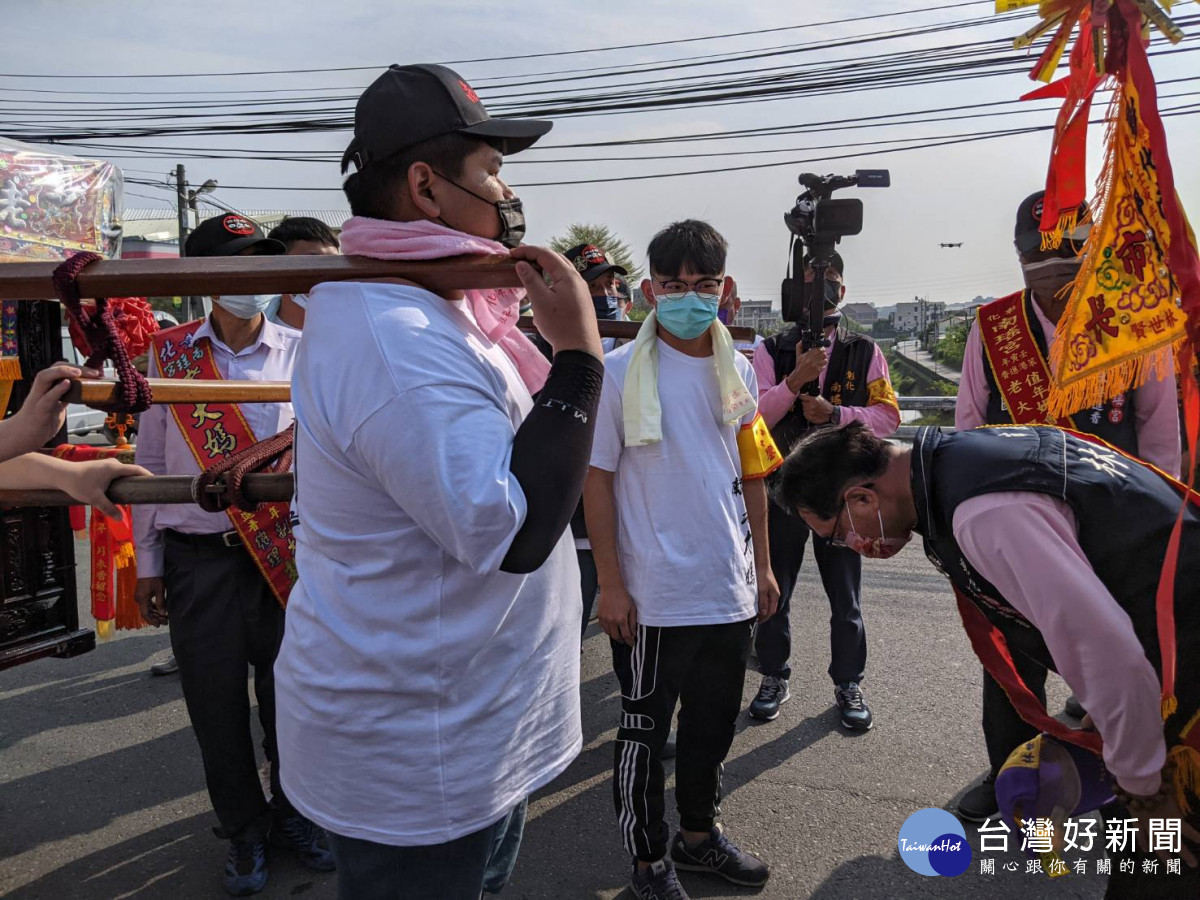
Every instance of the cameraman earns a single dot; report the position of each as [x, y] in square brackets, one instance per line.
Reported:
[858, 390]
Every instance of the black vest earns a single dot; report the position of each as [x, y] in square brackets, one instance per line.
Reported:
[1114, 420]
[845, 379]
[1125, 513]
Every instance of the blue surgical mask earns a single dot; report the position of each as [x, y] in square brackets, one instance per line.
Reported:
[687, 316]
[301, 300]
[245, 306]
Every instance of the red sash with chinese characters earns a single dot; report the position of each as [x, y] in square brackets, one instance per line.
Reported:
[1022, 374]
[213, 431]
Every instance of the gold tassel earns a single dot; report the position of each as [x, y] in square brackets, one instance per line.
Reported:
[1170, 704]
[1186, 761]
[125, 555]
[1065, 400]
[104, 629]
[1067, 221]
[129, 617]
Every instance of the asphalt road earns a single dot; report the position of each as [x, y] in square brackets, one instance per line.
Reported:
[102, 793]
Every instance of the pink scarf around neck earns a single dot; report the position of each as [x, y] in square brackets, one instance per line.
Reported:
[495, 310]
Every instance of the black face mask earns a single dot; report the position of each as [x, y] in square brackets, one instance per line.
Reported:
[511, 212]
[606, 307]
[833, 292]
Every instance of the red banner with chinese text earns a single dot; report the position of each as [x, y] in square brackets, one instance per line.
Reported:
[1020, 369]
[213, 431]
[113, 561]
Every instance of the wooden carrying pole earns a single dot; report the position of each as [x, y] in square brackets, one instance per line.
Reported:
[171, 390]
[273, 275]
[259, 487]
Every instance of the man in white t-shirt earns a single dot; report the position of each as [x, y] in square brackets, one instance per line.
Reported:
[429, 676]
[677, 514]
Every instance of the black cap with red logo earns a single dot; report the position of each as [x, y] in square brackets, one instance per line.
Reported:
[410, 104]
[229, 235]
[1027, 234]
[590, 262]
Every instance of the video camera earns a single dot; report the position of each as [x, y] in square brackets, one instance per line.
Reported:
[817, 223]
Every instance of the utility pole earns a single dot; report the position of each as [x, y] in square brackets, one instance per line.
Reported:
[185, 204]
[181, 206]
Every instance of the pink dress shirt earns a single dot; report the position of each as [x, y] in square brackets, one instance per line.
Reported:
[1026, 545]
[1157, 412]
[774, 400]
[162, 449]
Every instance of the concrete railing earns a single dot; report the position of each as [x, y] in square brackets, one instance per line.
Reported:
[922, 404]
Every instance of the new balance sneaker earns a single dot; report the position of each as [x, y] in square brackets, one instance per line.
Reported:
[168, 666]
[659, 882]
[856, 715]
[246, 868]
[304, 838]
[772, 694]
[979, 803]
[719, 855]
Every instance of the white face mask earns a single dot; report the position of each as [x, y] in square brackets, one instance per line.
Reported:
[245, 306]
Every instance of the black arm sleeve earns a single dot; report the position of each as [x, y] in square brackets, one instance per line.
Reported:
[550, 456]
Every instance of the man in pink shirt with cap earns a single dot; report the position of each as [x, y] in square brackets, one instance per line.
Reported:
[1054, 543]
[1005, 380]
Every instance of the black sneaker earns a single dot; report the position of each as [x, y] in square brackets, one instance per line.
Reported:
[719, 855]
[246, 868]
[1074, 708]
[856, 715]
[304, 838]
[659, 882]
[671, 747]
[772, 694]
[979, 803]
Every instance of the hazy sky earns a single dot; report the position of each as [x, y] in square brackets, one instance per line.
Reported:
[965, 193]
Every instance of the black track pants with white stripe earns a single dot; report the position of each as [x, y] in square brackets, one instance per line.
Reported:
[703, 668]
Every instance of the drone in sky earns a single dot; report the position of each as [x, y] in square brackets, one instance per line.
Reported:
[944, 246]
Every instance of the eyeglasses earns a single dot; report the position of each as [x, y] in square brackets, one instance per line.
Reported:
[700, 286]
[834, 540]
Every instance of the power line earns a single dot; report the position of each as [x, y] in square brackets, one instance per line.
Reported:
[523, 56]
[937, 143]
[858, 76]
[485, 84]
[74, 108]
[942, 141]
[926, 115]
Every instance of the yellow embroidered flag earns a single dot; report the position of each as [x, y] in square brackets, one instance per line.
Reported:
[1123, 319]
[759, 455]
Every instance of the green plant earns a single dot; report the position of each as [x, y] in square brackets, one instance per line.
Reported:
[950, 348]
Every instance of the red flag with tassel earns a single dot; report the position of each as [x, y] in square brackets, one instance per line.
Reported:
[114, 564]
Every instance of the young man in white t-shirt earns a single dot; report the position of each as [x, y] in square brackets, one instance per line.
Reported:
[677, 514]
[429, 676]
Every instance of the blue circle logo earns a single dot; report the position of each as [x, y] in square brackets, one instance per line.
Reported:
[932, 842]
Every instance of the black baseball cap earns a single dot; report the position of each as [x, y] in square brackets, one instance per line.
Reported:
[410, 104]
[591, 262]
[1027, 234]
[229, 235]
